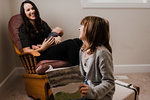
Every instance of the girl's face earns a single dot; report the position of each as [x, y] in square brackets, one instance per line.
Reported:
[82, 35]
[29, 11]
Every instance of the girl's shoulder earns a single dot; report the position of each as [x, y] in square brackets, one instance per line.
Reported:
[102, 51]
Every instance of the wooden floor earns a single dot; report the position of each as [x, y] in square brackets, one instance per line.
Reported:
[15, 89]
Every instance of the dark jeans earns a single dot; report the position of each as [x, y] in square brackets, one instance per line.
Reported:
[67, 50]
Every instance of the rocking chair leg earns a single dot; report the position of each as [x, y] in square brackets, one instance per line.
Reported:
[37, 87]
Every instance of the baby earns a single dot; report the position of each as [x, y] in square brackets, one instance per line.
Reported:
[56, 32]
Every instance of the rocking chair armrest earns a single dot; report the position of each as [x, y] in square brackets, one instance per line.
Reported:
[35, 76]
[34, 53]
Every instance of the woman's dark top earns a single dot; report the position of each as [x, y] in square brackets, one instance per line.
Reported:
[28, 39]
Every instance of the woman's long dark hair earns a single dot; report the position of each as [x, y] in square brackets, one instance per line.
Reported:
[96, 31]
[28, 26]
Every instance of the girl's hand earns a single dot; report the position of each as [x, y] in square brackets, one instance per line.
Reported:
[47, 43]
[83, 88]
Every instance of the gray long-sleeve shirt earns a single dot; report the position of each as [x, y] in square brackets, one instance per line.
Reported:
[99, 74]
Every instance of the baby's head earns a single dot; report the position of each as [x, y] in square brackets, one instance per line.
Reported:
[58, 30]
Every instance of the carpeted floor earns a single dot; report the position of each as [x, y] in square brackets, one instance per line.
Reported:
[15, 89]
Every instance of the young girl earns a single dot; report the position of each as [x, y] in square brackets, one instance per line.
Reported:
[96, 63]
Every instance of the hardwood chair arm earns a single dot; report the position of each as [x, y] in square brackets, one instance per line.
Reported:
[33, 53]
[35, 76]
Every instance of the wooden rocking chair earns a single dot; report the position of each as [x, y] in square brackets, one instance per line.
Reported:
[37, 86]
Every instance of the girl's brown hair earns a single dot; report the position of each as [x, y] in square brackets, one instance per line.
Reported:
[96, 31]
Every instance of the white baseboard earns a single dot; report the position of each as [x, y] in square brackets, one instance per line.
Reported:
[139, 68]
[118, 69]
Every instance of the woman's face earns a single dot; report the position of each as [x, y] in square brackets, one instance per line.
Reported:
[29, 11]
[82, 35]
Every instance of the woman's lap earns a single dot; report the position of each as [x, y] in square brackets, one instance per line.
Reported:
[66, 50]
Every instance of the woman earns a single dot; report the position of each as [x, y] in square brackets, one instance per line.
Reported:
[96, 63]
[34, 31]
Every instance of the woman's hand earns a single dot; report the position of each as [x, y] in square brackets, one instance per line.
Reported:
[47, 43]
[40, 48]
[83, 88]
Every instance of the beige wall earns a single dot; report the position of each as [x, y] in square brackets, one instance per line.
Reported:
[130, 29]
[7, 63]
